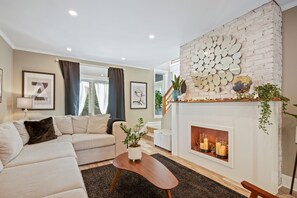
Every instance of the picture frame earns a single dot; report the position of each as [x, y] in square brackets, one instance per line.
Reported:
[138, 95]
[41, 87]
[1, 84]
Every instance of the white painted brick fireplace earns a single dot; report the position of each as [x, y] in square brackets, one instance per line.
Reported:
[256, 155]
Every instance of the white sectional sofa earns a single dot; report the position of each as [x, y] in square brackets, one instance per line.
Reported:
[50, 169]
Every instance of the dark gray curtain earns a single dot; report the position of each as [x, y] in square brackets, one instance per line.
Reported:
[116, 97]
[71, 75]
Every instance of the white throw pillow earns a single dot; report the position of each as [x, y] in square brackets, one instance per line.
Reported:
[98, 124]
[80, 124]
[1, 166]
[64, 124]
[11, 142]
[22, 131]
[57, 131]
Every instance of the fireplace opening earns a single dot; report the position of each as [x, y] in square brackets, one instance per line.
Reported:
[210, 142]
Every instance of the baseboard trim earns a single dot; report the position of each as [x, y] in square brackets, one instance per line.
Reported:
[286, 182]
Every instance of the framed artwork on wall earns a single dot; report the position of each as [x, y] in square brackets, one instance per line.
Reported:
[41, 87]
[1, 82]
[138, 95]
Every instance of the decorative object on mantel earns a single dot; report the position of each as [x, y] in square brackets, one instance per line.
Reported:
[1, 81]
[294, 171]
[176, 84]
[216, 63]
[242, 85]
[266, 93]
[132, 138]
[41, 88]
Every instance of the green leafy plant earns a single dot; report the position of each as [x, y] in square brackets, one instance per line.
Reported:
[158, 100]
[133, 135]
[177, 82]
[266, 93]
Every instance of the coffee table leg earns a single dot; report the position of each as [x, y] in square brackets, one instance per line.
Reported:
[168, 193]
[116, 176]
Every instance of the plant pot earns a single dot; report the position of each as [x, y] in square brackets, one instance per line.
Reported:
[175, 94]
[134, 153]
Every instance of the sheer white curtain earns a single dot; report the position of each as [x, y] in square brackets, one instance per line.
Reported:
[102, 96]
[83, 92]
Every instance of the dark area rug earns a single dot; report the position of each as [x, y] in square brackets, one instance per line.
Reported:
[130, 185]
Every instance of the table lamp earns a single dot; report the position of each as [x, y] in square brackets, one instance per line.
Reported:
[24, 103]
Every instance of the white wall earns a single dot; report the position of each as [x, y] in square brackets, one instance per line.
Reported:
[6, 60]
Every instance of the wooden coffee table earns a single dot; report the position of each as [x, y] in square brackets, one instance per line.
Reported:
[148, 167]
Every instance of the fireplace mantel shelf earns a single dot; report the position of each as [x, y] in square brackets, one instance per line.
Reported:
[223, 100]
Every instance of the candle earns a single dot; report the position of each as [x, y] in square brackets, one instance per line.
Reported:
[223, 150]
[205, 143]
[201, 145]
[218, 146]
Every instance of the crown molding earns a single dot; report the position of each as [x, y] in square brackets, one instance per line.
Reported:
[289, 5]
[6, 39]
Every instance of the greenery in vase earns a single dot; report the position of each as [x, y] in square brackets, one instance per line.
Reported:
[266, 93]
[177, 82]
[133, 135]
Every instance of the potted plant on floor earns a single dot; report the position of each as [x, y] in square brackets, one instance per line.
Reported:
[132, 138]
[176, 84]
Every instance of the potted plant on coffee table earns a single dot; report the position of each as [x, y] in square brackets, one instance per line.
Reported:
[132, 138]
[176, 84]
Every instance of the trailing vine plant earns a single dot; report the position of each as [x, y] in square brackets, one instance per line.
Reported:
[266, 93]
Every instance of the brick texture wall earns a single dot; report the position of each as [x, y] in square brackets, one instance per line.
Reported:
[259, 32]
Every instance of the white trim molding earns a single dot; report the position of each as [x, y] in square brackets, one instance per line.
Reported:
[289, 5]
[286, 182]
[6, 39]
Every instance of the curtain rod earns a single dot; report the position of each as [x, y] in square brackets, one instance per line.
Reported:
[57, 60]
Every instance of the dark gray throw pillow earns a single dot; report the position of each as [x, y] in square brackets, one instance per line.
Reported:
[40, 131]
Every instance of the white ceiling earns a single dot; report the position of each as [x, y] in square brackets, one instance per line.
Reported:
[107, 30]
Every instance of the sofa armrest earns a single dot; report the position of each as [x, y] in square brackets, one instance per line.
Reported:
[119, 137]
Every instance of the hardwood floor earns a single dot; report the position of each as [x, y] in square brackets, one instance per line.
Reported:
[149, 148]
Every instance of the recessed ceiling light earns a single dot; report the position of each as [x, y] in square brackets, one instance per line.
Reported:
[68, 49]
[123, 58]
[151, 36]
[72, 12]
[102, 75]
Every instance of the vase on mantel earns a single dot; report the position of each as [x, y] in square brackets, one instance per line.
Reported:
[175, 94]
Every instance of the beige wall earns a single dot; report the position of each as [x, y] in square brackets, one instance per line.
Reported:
[289, 88]
[6, 55]
[46, 63]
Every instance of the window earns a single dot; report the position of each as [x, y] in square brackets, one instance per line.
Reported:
[93, 91]
[160, 87]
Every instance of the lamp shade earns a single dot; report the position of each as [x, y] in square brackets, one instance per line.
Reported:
[24, 103]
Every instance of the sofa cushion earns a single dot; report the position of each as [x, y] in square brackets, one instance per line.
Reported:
[10, 142]
[22, 131]
[64, 124]
[57, 130]
[62, 138]
[1, 166]
[80, 124]
[76, 193]
[40, 131]
[41, 179]
[41, 152]
[88, 141]
[98, 124]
